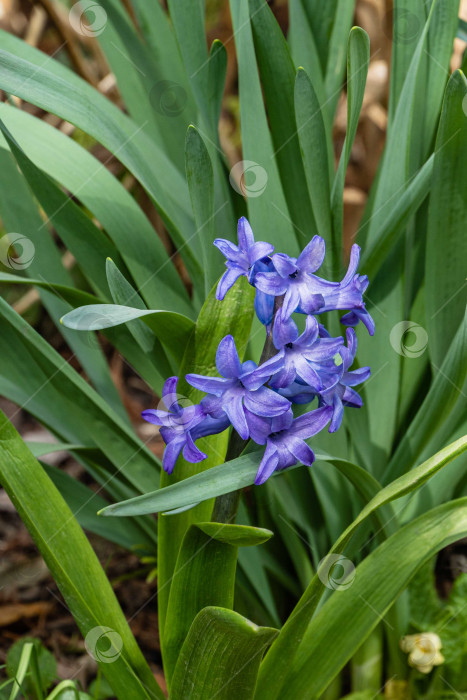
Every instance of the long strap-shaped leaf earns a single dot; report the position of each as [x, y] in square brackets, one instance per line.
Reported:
[204, 576]
[75, 567]
[351, 614]
[277, 662]
[220, 657]
[446, 251]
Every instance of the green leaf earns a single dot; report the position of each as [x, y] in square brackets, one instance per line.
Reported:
[220, 656]
[277, 662]
[84, 503]
[123, 293]
[358, 59]
[116, 209]
[75, 567]
[75, 101]
[336, 51]
[171, 328]
[217, 70]
[313, 143]
[201, 186]
[267, 208]
[446, 288]
[63, 401]
[204, 575]
[351, 614]
[278, 77]
[436, 407]
[213, 324]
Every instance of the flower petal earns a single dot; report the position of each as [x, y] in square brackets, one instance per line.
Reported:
[312, 256]
[284, 264]
[291, 300]
[351, 398]
[234, 409]
[264, 307]
[211, 385]
[227, 360]
[357, 376]
[301, 450]
[307, 373]
[284, 331]
[227, 281]
[312, 422]
[245, 234]
[152, 415]
[171, 453]
[190, 452]
[353, 265]
[265, 402]
[259, 427]
[267, 465]
[259, 375]
[271, 283]
[337, 415]
[229, 249]
[259, 250]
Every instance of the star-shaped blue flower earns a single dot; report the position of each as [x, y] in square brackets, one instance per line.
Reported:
[240, 387]
[181, 426]
[304, 356]
[241, 258]
[342, 394]
[285, 437]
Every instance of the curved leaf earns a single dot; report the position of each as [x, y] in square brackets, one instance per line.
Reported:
[220, 657]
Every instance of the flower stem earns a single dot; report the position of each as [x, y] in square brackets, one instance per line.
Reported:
[226, 506]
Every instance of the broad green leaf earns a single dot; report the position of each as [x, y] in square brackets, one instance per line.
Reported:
[74, 566]
[277, 662]
[336, 52]
[278, 77]
[75, 101]
[88, 245]
[408, 20]
[171, 328]
[220, 657]
[143, 251]
[204, 576]
[84, 503]
[375, 252]
[53, 392]
[217, 70]
[20, 215]
[351, 614]
[142, 78]
[188, 22]
[436, 408]
[313, 144]
[303, 47]
[267, 208]
[358, 59]
[214, 323]
[446, 286]
[201, 186]
[321, 17]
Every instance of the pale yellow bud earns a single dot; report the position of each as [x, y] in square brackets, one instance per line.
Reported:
[424, 650]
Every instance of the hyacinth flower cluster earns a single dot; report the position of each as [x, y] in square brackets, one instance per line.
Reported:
[302, 368]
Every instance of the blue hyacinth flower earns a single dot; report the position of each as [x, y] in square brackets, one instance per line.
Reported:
[181, 426]
[239, 388]
[305, 356]
[285, 437]
[342, 394]
[241, 258]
